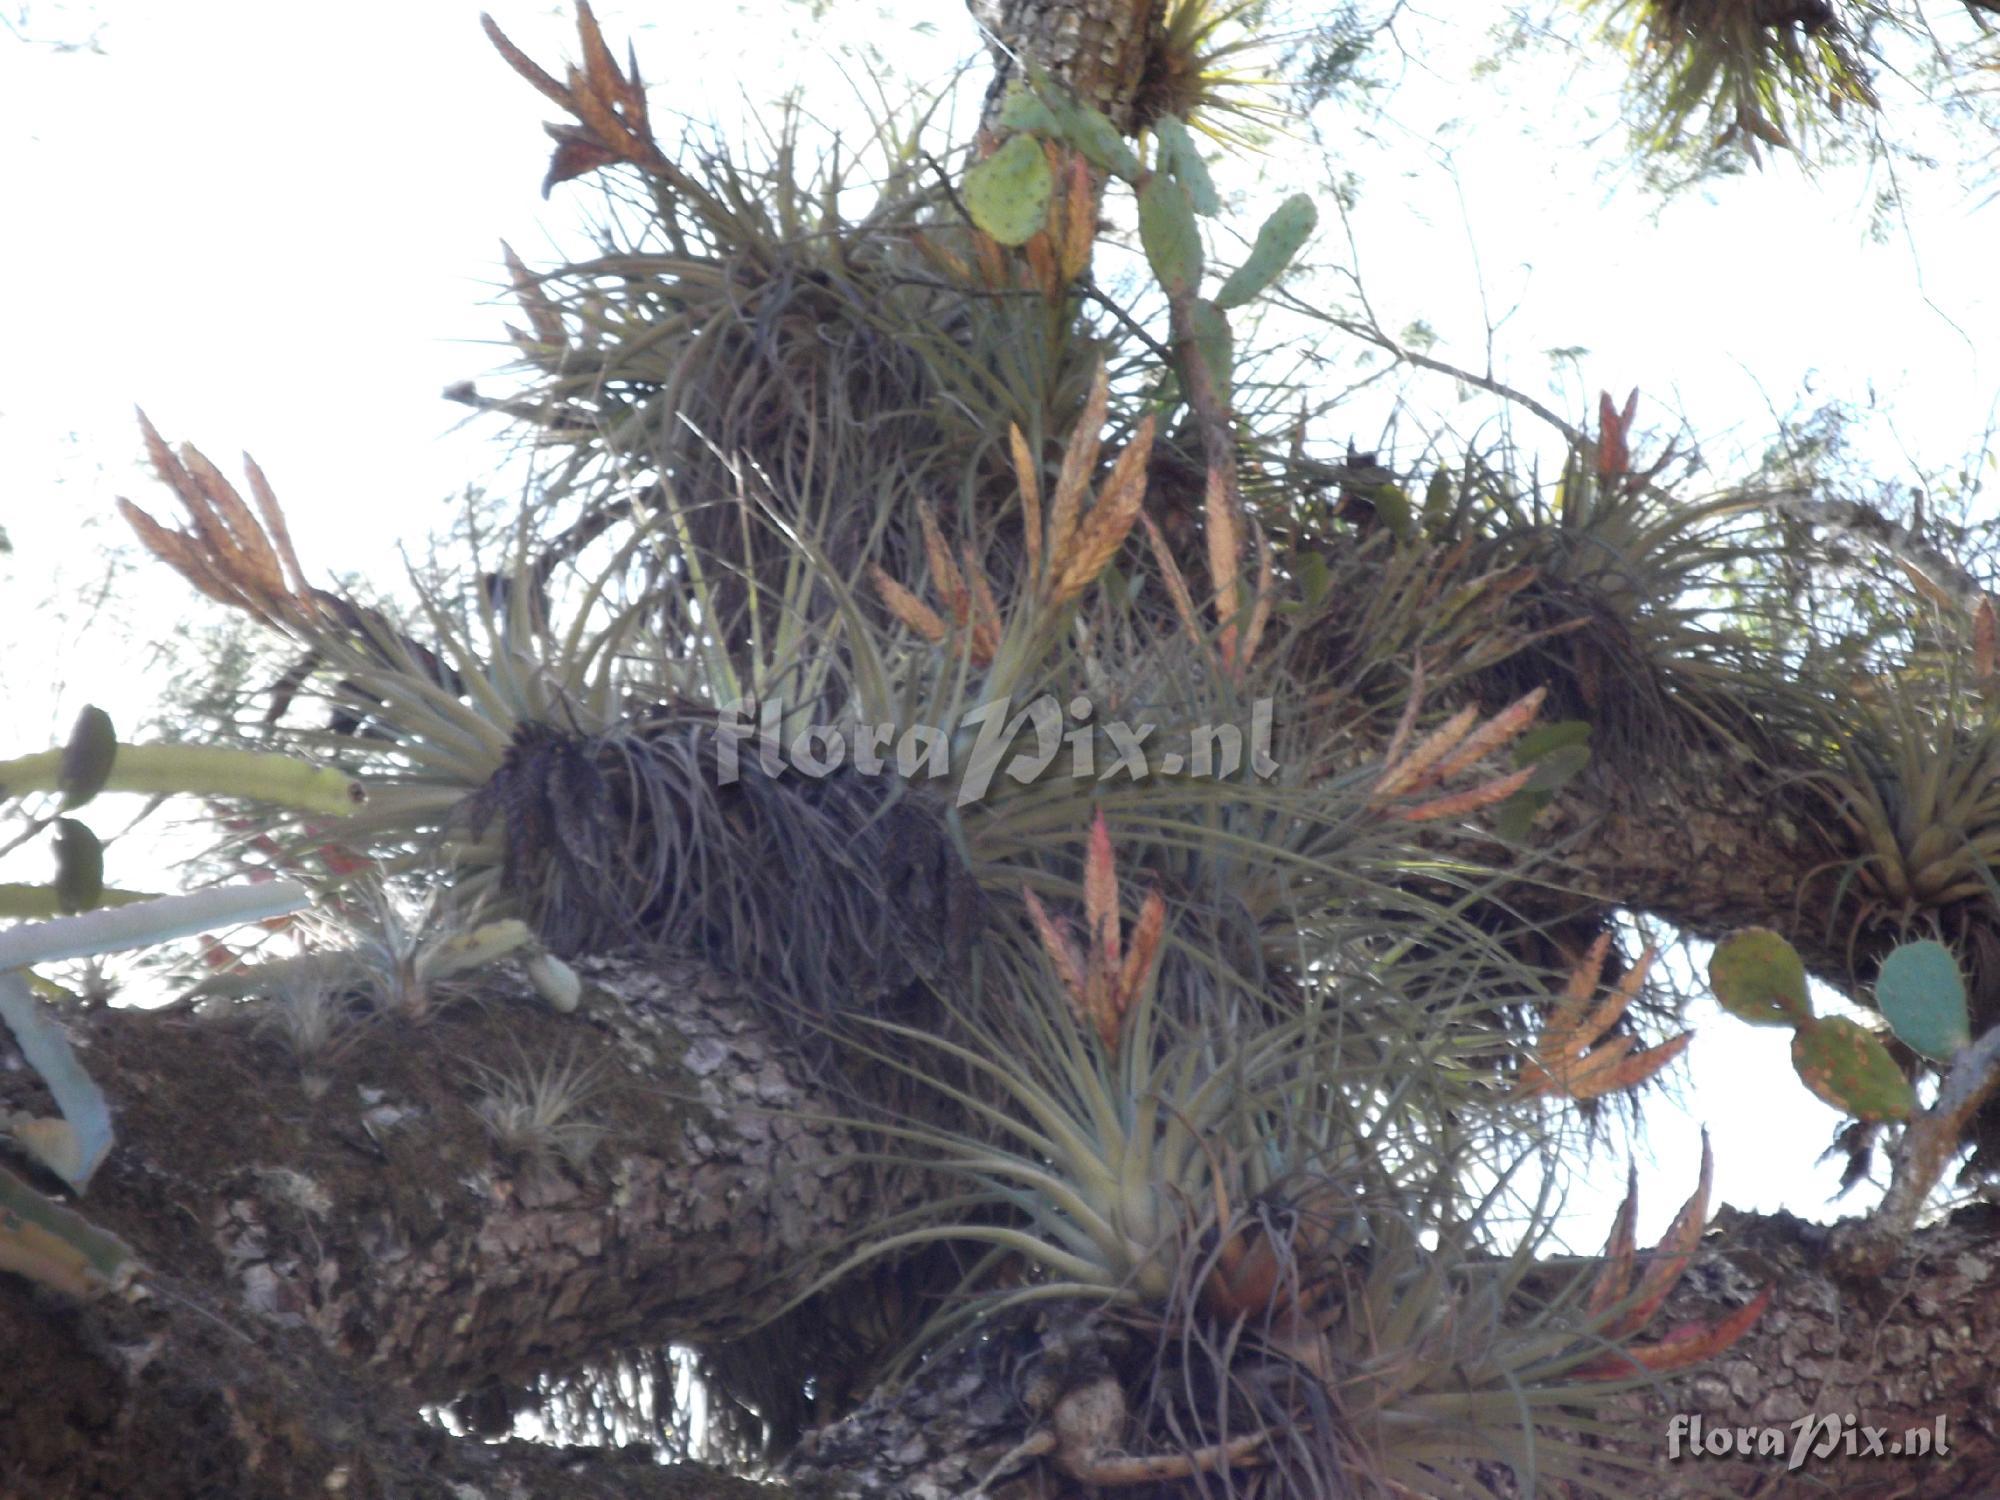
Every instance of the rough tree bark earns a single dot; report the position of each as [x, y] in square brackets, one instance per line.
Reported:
[321, 1265]
[319, 1268]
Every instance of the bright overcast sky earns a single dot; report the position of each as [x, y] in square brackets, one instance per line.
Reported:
[276, 228]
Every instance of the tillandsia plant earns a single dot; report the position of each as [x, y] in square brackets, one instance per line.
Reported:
[1614, 579]
[537, 765]
[1918, 797]
[1248, 1197]
[1713, 74]
[813, 473]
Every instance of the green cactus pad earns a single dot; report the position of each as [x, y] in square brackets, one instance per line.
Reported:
[1168, 233]
[1844, 1063]
[1758, 977]
[1182, 159]
[1217, 344]
[1922, 996]
[1008, 193]
[79, 866]
[1098, 139]
[1280, 239]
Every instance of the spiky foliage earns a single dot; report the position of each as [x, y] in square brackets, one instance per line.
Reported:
[1617, 597]
[1711, 74]
[813, 469]
[744, 318]
[1280, 1200]
[541, 1112]
[1195, 68]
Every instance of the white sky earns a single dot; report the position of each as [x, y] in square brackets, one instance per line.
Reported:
[275, 227]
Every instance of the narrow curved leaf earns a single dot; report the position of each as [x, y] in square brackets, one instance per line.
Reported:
[143, 923]
[59, 1248]
[73, 1146]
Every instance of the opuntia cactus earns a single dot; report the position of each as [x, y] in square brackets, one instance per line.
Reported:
[1922, 996]
[1846, 1065]
[1758, 977]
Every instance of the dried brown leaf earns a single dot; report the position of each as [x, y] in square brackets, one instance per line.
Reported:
[1103, 532]
[1681, 1347]
[1146, 935]
[1614, 1277]
[1672, 1256]
[1079, 218]
[1176, 583]
[1100, 898]
[944, 571]
[1061, 949]
[521, 63]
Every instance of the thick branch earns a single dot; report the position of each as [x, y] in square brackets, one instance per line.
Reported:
[1896, 1355]
[378, 1212]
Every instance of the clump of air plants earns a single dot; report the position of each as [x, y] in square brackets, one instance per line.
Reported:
[836, 354]
[1715, 74]
[1328, 1303]
[538, 1112]
[1193, 66]
[1916, 794]
[308, 1010]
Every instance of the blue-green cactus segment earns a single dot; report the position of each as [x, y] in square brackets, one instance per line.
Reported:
[1217, 345]
[1846, 1065]
[1092, 133]
[1922, 996]
[1023, 110]
[1758, 977]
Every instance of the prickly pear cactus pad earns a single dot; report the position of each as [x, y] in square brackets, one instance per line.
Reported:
[1844, 1063]
[1758, 977]
[1921, 994]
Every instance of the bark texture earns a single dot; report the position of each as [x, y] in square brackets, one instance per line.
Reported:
[318, 1268]
[327, 1248]
[324, 1259]
[1094, 48]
